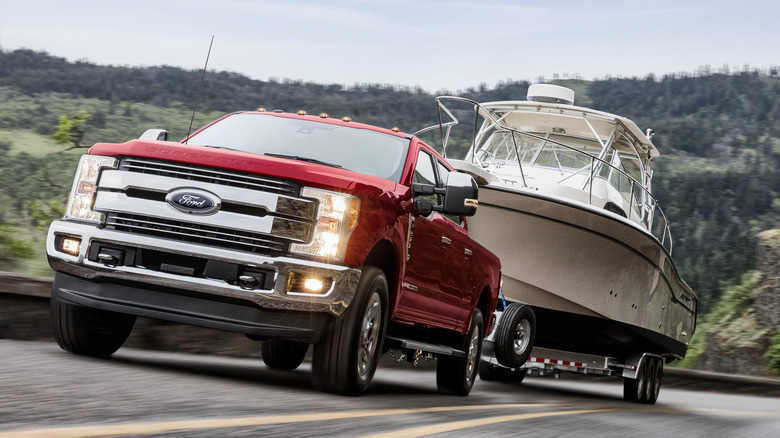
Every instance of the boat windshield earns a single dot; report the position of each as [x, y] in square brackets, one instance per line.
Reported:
[541, 149]
[361, 150]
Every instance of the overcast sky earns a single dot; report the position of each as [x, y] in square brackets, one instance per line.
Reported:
[435, 44]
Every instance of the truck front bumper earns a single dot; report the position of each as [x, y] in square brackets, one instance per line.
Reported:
[212, 287]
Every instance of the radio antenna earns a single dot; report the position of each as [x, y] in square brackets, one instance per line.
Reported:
[200, 87]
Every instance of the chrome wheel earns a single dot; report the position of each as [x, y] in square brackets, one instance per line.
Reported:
[472, 357]
[369, 334]
[522, 332]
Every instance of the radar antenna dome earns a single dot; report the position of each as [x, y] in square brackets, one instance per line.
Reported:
[550, 94]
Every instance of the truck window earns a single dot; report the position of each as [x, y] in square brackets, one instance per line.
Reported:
[424, 173]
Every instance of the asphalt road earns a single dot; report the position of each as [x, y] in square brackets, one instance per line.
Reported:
[45, 392]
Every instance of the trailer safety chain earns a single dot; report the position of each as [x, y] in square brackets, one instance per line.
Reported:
[399, 359]
[415, 362]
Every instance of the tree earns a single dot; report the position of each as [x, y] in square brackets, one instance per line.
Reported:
[71, 131]
[11, 248]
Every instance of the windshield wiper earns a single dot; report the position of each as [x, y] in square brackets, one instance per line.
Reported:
[308, 160]
[221, 147]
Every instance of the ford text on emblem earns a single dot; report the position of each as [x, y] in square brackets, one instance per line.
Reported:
[194, 201]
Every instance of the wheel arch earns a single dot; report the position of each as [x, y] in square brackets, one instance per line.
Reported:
[383, 257]
[487, 306]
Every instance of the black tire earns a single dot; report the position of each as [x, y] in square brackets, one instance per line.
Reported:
[87, 331]
[515, 335]
[456, 375]
[517, 376]
[635, 390]
[494, 373]
[346, 358]
[282, 354]
[489, 372]
[654, 388]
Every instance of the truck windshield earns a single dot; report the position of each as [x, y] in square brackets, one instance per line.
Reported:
[361, 150]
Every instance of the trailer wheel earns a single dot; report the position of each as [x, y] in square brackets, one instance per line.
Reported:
[655, 386]
[346, 358]
[282, 354]
[456, 375]
[488, 371]
[88, 331]
[493, 373]
[635, 390]
[515, 335]
[517, 376]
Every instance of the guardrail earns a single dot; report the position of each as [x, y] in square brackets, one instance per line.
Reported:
[28, 285]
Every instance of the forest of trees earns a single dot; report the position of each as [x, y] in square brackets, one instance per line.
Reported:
[718, 177]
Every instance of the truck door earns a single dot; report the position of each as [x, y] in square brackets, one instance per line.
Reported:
[422, 299]
[457, 283]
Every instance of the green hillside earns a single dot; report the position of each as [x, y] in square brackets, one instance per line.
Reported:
[718, 178]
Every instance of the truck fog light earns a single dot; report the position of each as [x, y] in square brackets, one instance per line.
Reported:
[70, 245]
[312, 284]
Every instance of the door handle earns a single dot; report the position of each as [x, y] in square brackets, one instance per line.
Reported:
[468, 252]
[445, 240]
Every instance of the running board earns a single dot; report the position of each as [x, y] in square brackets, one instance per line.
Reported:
[405, 344]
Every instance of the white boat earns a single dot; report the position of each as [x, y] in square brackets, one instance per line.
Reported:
[565, 202]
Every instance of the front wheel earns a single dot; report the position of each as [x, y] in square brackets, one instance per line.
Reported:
[88, 331]
[456, 375]
[346, 358]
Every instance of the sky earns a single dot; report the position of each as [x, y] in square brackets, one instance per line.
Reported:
[434, 44]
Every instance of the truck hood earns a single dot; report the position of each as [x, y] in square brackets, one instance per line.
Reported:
[301, 171]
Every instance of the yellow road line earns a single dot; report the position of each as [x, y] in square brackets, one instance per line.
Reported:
[154, 427]
[457, 425]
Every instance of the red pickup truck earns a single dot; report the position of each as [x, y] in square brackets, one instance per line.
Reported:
[290, 228]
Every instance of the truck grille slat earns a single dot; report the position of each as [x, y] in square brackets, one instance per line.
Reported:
[211, 175]
[196, 233]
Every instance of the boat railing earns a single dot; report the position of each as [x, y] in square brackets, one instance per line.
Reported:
[649, 209]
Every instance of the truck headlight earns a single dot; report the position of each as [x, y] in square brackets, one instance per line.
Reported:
[336, 219]
[82, 195]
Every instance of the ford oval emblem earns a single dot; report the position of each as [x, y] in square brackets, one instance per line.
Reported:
[194, 201]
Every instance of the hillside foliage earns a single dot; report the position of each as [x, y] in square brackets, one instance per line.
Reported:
[718, 178]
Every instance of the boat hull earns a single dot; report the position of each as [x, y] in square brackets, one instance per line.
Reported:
[599, 283]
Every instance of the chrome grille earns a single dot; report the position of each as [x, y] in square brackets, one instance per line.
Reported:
[196, 233]
[210, 175]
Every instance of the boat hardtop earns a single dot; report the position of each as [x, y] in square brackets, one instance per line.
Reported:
[549, 145]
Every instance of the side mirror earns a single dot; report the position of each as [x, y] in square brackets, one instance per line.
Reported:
[154, 134]
[460, 196]
[423, 194]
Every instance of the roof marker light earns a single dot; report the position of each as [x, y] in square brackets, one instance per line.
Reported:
[395, 129]
[323, 115]
[301, 113]
[261, 110]
[346, 119]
